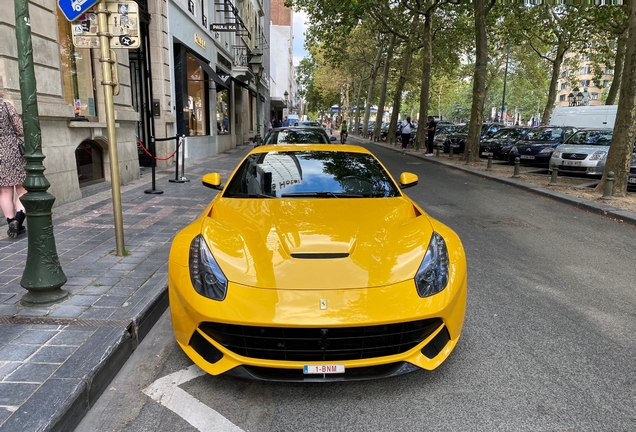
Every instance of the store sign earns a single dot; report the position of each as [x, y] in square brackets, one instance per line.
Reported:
[123, 25]
[220, 27]
[199, 40]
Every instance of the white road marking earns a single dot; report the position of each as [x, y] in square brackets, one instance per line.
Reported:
[166, 391]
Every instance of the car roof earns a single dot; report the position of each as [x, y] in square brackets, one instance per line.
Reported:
[299, 127]
[280, 148]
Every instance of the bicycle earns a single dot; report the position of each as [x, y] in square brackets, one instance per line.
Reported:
[343, 137]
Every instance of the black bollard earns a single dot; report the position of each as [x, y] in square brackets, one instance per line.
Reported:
[469, 157]
[555, 174]
[489, 166]
[450, 152]
[517, 163]
[609, 184]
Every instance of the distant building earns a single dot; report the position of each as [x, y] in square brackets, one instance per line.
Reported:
[577, 76]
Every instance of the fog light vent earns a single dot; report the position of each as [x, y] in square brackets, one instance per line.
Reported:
[204, 348]
[437, 344]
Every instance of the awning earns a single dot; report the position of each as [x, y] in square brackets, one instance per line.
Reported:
[211, 73]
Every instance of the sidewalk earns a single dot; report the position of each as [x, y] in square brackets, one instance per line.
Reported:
[606, 208]
[55, 361]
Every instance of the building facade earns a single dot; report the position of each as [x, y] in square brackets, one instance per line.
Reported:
[192, 74]
[578, 76]
[282, 59]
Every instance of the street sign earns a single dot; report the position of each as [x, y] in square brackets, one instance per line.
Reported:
[221, 27]
[123, 25]
[72, 9]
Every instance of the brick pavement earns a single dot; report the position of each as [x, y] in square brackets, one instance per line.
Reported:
[56, 360]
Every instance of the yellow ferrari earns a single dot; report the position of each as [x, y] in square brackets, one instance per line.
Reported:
[312, 265]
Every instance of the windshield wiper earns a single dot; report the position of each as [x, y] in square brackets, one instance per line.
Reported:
[323, 194]
[248, 195]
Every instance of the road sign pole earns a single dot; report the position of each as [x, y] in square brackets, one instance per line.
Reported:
[43, 275]
[108, 84]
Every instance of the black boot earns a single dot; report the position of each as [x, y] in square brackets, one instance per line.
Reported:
[15, 224]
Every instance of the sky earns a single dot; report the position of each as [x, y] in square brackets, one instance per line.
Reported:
[299, 38]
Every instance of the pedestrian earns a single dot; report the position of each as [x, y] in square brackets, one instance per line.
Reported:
[343, 132]
[329, 127]
[276, 123]
[405, 130]
[270, 126]
[12, 172]
[226, 124]
[431, 128]
[285, 121]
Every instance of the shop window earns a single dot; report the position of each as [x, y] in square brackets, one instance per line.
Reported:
[197, 103]
[223, 111]
[77, 72]
[89, 163]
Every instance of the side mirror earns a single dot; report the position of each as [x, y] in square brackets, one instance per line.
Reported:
[212, 180]
[408, 180]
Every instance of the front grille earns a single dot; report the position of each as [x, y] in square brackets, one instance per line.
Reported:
[574, 156]
[320, 344]
[572, 168]
[632, 170]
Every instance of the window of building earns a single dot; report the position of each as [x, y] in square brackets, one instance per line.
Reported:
[584, 83]
[89, 163]
[562, 98]
[609, 70]
[197, 102]
[586, 70]
[564, 86]
[223, 110]
[564, 74]
[77, 72]
[204, 16]
[191, 6]
[593, 96]
[606, 83]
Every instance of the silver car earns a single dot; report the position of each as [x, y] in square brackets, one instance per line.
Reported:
[584, 152]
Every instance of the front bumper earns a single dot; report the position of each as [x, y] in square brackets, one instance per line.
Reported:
[269, 310]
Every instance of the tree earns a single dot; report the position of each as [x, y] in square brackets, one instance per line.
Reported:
[619, 155]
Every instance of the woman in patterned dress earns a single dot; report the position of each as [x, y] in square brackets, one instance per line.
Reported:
[12, 173]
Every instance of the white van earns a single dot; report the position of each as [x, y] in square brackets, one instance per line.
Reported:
[598, 116]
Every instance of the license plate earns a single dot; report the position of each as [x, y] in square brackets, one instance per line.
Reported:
[631, 180]
[526, 157]
[324, 369]
[485, 153]
[571, 163]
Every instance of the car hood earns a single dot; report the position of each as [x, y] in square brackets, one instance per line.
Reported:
[524, 144]
[340, 243]
[582, 149]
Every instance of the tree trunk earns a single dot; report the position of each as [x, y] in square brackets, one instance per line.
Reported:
[358, 93]
[620, 152]
[374, 75]
[385, 83]
[618, 70]
[479, 80]
[399, 87]
[427, 37]
[552, 92]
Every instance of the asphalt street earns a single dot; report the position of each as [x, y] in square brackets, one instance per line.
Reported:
[548, 342]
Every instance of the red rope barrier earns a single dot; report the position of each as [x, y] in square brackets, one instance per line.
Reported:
[148, 153]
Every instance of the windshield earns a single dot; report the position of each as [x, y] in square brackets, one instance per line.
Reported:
[297, 136]
[510, 133]
[544, 134]
[311, 174]
[592, 137]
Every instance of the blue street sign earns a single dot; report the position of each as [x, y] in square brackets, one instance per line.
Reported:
[72, 9]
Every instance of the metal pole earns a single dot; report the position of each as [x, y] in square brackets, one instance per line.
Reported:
[258, 109]
[43, 275]
[107, 83]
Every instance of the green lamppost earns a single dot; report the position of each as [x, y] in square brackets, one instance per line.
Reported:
[43, 275]
[256, 64]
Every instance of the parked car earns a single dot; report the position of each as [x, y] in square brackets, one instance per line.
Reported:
[631, 178]
[307, 123]
[442, 132]
[309, 265]
[298, 135]
[584, 152]
[505, 137]
[537, 145]
[457, 140]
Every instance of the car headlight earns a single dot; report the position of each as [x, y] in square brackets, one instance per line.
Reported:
[547, 150]
[556, 154]
[432, 276]
[514, 149]
[598, 155]
[205, 274]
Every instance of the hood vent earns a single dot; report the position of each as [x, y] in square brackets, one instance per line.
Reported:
[319, 255]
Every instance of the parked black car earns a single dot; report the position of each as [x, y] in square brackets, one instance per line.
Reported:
[537, 145]
[505, 137]
[457, 140]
